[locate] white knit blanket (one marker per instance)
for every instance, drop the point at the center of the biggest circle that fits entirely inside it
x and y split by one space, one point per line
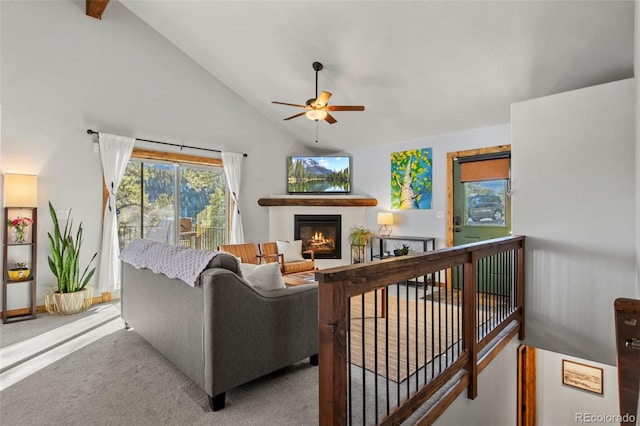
173 261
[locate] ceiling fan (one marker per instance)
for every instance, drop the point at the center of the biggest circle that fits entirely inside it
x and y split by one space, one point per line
318 108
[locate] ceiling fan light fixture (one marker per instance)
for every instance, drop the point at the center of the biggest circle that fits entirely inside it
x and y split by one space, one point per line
316 108
316 114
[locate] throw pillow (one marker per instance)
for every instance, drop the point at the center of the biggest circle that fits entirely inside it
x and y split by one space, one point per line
264 277
292 251
246 269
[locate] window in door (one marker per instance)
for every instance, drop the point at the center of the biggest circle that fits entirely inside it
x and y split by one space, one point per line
174 203
485 202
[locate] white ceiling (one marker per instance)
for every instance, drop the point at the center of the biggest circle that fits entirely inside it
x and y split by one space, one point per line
420 68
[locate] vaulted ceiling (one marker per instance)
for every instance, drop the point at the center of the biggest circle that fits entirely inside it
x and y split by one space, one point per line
420 68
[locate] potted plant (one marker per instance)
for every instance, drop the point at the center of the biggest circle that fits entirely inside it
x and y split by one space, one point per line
359 237
402 250
19 272
72 294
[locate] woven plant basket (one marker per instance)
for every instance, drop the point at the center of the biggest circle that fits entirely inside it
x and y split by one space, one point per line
68 303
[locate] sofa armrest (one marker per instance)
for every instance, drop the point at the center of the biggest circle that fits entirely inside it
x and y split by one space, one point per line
249 333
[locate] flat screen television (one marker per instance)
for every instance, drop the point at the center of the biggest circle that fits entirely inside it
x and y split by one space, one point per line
318 175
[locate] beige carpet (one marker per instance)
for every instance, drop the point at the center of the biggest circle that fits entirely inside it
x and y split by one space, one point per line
120 380
431 331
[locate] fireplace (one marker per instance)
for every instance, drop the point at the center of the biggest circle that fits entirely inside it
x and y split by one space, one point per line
320 233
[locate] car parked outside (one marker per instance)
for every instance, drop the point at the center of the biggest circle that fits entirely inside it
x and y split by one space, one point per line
485 207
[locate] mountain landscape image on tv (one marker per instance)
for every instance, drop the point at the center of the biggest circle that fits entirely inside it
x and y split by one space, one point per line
317 175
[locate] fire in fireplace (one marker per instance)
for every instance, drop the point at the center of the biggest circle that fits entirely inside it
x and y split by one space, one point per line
320 233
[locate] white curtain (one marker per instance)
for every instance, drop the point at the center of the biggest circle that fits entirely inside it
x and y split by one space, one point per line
115 152
232 163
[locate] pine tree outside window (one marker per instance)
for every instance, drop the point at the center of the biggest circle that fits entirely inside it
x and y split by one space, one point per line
173 201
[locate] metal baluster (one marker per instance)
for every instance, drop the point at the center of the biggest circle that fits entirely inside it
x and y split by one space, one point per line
375 351
386 353
350 387
364 364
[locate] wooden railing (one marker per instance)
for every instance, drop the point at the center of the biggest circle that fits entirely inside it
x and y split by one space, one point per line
395 332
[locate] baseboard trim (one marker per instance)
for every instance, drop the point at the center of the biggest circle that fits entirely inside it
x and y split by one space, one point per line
105 297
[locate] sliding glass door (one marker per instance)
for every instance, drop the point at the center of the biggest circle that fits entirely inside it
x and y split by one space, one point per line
173 203
203 207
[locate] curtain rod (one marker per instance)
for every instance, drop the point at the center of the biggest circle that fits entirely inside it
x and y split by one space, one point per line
92 132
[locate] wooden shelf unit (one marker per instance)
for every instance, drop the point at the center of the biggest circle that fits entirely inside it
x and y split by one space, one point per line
9 246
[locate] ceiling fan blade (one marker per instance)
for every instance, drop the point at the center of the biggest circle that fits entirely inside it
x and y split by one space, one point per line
345 108
285 103
322 100
294 116
329 119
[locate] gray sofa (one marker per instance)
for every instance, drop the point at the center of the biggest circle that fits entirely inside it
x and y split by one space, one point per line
223 332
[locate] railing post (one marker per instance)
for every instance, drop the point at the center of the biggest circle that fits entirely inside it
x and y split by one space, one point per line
520 287
470 326
332 317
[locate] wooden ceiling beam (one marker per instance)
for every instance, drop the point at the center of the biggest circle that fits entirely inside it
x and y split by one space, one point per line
95 8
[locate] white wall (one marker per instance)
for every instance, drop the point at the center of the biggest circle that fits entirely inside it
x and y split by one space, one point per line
560 404
497 391
573 179
372 177
63 73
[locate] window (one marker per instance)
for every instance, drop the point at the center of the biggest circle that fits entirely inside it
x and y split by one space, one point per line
173 198
485 202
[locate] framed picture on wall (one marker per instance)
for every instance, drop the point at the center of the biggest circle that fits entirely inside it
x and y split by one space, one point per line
411 179
582 376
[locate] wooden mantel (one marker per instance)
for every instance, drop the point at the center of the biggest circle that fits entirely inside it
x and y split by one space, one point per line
317 201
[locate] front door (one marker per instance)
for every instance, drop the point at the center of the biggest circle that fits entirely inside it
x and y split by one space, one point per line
480 206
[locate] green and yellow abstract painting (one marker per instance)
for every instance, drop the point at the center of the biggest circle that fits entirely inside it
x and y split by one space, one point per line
411 179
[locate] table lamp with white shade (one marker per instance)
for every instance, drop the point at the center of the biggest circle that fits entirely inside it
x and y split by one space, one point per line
385 220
